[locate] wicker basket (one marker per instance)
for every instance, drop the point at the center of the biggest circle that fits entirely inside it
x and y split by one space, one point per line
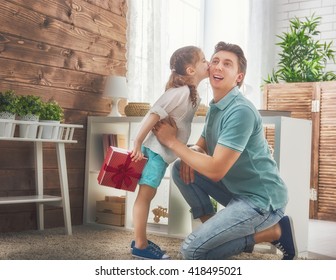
202 110
136 109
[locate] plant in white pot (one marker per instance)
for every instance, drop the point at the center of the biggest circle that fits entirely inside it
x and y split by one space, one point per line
8 102
52 114
303 58
29 109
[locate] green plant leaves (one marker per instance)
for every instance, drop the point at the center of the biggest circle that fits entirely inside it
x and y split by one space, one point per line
303 58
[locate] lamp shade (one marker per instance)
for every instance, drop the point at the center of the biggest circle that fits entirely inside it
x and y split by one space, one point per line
116 86
116 89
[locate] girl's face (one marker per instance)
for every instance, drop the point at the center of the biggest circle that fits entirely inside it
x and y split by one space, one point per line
201 68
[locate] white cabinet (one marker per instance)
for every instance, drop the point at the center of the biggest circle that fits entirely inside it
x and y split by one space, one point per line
292 152
166 197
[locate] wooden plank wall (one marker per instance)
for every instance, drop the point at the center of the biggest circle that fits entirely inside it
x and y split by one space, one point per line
60 49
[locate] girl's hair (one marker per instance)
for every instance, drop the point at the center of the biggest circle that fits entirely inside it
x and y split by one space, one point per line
242 62
180 60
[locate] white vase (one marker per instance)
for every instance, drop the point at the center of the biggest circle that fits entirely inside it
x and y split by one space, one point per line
7 128
29 130
50 131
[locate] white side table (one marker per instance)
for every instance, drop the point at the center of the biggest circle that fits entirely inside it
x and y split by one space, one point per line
64 136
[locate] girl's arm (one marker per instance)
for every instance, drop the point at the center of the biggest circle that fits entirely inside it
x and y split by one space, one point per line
146 127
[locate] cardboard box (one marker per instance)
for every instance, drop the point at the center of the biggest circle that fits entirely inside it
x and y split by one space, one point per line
119 171
110 207
110 219
120 199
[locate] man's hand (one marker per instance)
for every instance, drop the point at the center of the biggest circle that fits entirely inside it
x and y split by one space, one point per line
165 131
187 174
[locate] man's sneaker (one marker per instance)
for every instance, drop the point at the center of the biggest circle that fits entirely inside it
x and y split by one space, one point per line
286 243
151 243
149 253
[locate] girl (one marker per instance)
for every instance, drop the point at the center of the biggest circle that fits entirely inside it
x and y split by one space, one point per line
179 101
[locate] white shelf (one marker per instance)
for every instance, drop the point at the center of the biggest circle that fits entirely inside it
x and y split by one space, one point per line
168 196
64 132
29 199
64 135
292 154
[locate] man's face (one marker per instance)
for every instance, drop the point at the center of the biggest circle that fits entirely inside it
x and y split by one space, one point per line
224 71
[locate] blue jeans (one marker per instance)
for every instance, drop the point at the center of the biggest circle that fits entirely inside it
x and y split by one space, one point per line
229 232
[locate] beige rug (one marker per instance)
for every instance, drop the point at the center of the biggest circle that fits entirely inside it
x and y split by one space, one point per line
87 243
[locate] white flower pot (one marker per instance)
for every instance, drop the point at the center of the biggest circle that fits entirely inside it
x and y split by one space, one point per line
7 128
50 131
29 130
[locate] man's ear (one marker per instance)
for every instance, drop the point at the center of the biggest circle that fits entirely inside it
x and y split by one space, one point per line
240 77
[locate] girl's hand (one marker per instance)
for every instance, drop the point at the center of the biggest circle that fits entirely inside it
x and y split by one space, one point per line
136 154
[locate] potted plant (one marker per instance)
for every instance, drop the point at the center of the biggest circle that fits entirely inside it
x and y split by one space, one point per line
29 109
51 113
8 102
303 58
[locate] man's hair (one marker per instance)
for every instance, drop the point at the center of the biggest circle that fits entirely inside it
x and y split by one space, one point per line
242 62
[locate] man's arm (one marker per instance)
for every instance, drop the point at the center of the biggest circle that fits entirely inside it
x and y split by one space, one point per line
214 167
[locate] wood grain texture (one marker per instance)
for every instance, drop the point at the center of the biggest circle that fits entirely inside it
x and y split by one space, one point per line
62 50
17 48
40 27
297 98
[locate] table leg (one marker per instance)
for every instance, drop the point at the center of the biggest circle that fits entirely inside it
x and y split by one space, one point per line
39 183
62 168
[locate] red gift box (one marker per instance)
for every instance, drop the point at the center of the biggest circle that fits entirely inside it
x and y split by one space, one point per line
119 171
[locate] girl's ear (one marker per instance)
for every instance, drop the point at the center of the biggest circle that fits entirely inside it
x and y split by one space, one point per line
190 71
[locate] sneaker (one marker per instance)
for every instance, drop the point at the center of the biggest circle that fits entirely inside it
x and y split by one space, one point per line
286 243
149 253
151 243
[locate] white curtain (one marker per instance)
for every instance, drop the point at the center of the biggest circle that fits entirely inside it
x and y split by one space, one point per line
260 47
144 45
156 28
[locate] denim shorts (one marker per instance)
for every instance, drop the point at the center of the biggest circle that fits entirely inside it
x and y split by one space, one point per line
154 170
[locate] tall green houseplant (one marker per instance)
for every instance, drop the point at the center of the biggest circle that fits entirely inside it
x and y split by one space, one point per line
303 58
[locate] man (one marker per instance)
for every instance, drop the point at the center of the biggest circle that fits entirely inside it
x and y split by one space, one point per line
230 162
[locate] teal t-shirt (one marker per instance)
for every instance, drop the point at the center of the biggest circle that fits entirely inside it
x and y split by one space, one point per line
234 122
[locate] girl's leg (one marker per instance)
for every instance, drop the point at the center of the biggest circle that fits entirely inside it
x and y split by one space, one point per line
140 214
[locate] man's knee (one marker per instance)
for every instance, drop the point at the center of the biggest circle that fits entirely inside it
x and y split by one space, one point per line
190 253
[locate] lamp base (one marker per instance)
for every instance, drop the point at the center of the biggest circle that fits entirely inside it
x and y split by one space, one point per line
115 108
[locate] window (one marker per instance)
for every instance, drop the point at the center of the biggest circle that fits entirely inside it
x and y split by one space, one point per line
156 28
